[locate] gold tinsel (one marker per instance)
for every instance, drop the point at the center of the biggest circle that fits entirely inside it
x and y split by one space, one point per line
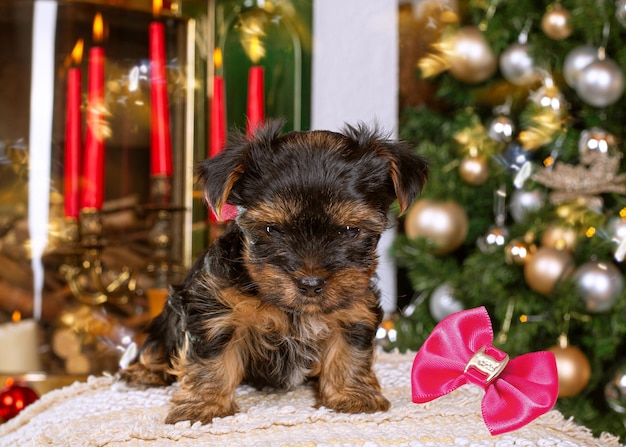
437 60
581 213
474 139
549 111
544 126
443 20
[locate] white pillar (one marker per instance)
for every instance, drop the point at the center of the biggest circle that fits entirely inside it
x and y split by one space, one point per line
40 139
355 79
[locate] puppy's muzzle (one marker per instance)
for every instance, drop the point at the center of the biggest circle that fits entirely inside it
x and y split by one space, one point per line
311 285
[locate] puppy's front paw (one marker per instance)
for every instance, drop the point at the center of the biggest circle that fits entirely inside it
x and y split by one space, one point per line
139 376
200 411
352 402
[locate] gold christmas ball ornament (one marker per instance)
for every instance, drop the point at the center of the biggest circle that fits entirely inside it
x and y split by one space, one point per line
556 22
471 58
518 251
546 267
560 237
445 224
573 368
474 170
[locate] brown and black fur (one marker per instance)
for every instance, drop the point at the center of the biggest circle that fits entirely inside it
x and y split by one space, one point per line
286 293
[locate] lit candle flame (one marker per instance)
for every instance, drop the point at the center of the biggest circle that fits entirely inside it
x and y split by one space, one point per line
157 5
256 49
252 34
217 58
77 52
16 316
98 28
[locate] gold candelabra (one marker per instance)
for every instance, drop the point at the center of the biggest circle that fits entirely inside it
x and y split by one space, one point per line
90 281
84 271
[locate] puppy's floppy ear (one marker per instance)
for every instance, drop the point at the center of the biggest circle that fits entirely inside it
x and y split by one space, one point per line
408 172
218 175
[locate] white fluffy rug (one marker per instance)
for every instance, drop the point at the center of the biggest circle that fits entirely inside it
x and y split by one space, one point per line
103 413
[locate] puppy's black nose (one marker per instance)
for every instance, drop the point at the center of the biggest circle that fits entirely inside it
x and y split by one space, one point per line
311 285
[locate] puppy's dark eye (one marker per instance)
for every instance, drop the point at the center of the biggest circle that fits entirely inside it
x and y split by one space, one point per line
271 229
350 231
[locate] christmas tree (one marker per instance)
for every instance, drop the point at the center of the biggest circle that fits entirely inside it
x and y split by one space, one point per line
525 209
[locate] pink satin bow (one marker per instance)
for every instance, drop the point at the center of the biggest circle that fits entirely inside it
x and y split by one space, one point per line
459 351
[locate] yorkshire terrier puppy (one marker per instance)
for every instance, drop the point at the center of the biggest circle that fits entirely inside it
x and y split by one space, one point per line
286 294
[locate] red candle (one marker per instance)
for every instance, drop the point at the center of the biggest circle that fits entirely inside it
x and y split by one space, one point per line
73 136
256 102
161 141
218 110
218 139
93 170
217 135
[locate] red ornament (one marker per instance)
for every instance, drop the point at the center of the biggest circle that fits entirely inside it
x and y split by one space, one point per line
13 399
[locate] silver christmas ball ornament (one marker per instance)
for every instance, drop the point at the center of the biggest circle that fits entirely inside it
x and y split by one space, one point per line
524 202
615 391
443 303
620 12
386 334
598 140
517 66
616 226
576 60
601 83
496 238
599 284
501 129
